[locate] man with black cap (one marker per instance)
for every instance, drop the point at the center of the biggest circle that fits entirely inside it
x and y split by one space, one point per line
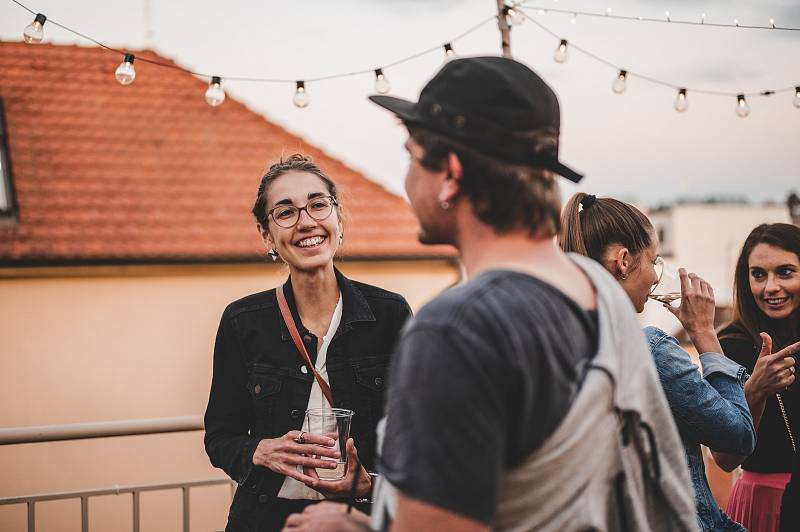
495 418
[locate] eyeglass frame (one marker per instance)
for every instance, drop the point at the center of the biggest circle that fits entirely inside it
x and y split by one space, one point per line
334 203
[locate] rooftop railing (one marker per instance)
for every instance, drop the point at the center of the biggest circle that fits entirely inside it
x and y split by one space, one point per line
78 431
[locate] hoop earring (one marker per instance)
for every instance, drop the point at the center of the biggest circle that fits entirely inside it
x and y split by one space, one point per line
445 205
273 254
623 276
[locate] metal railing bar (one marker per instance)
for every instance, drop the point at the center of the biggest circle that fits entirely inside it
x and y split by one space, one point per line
136 507
31 516
186 509
110 491
85 514
102 429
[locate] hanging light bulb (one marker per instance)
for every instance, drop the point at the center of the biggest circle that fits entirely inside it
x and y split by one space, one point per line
125 72
620 83
736 22
574 18
34 32
448 50
215 95
560 55
681 103
742 108
797 97
667 15
382 85
703 18
608 11
301 98
514 17
772 23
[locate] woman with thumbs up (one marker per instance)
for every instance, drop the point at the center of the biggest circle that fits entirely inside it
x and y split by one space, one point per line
763 336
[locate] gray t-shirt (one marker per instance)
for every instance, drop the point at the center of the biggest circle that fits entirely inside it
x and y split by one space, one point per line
482 376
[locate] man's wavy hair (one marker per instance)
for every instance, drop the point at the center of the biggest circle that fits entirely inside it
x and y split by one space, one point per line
504 196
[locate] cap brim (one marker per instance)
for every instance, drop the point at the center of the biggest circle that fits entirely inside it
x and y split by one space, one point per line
406 110
565 172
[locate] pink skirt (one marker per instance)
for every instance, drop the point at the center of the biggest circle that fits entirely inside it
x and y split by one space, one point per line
755 500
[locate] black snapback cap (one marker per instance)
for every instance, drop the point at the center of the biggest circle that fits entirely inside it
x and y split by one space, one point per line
494 105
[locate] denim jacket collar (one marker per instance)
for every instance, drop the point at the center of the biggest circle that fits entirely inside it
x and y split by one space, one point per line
354 305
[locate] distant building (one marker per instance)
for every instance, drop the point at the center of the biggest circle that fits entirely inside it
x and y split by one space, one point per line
706 238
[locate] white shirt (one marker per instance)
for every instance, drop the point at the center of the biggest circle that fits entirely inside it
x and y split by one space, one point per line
291 488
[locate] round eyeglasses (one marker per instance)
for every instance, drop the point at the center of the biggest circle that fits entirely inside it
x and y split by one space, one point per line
287 216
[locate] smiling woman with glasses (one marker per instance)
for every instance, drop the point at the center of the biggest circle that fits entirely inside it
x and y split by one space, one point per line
320 340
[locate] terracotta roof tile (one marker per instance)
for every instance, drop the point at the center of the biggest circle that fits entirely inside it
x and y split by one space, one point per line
150 172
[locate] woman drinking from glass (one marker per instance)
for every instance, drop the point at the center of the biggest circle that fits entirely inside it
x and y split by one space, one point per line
763 336
709 408
262 383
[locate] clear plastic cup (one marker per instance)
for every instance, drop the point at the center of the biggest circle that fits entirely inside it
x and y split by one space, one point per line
335 424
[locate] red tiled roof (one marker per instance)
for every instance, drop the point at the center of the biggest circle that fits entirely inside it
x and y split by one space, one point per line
150 172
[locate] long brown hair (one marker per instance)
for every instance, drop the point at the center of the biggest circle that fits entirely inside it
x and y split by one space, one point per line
590 224
747 317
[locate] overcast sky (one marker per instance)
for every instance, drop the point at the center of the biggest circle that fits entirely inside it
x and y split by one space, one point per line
633 145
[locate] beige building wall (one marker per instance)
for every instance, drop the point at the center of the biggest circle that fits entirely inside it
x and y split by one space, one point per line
117 343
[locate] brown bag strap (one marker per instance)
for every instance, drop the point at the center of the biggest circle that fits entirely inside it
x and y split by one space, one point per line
288 319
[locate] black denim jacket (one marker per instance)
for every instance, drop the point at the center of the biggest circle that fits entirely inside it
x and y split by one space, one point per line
260 387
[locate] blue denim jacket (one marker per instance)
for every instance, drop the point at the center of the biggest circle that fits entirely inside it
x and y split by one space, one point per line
709 409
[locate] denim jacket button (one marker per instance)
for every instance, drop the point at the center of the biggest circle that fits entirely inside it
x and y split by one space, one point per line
295 413
378 381
263 498
303 369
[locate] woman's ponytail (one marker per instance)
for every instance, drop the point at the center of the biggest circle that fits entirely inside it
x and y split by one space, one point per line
571 236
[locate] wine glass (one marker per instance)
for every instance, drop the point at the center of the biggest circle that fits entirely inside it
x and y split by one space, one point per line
668 287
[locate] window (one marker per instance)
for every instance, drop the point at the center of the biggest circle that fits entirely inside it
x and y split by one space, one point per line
7 197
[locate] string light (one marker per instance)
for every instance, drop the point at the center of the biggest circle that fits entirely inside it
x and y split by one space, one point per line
667 19
514 17
574 18
382 85
742 108
215 95
681 103
772 23
301 98
125 72
620 82
560 55
34 32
